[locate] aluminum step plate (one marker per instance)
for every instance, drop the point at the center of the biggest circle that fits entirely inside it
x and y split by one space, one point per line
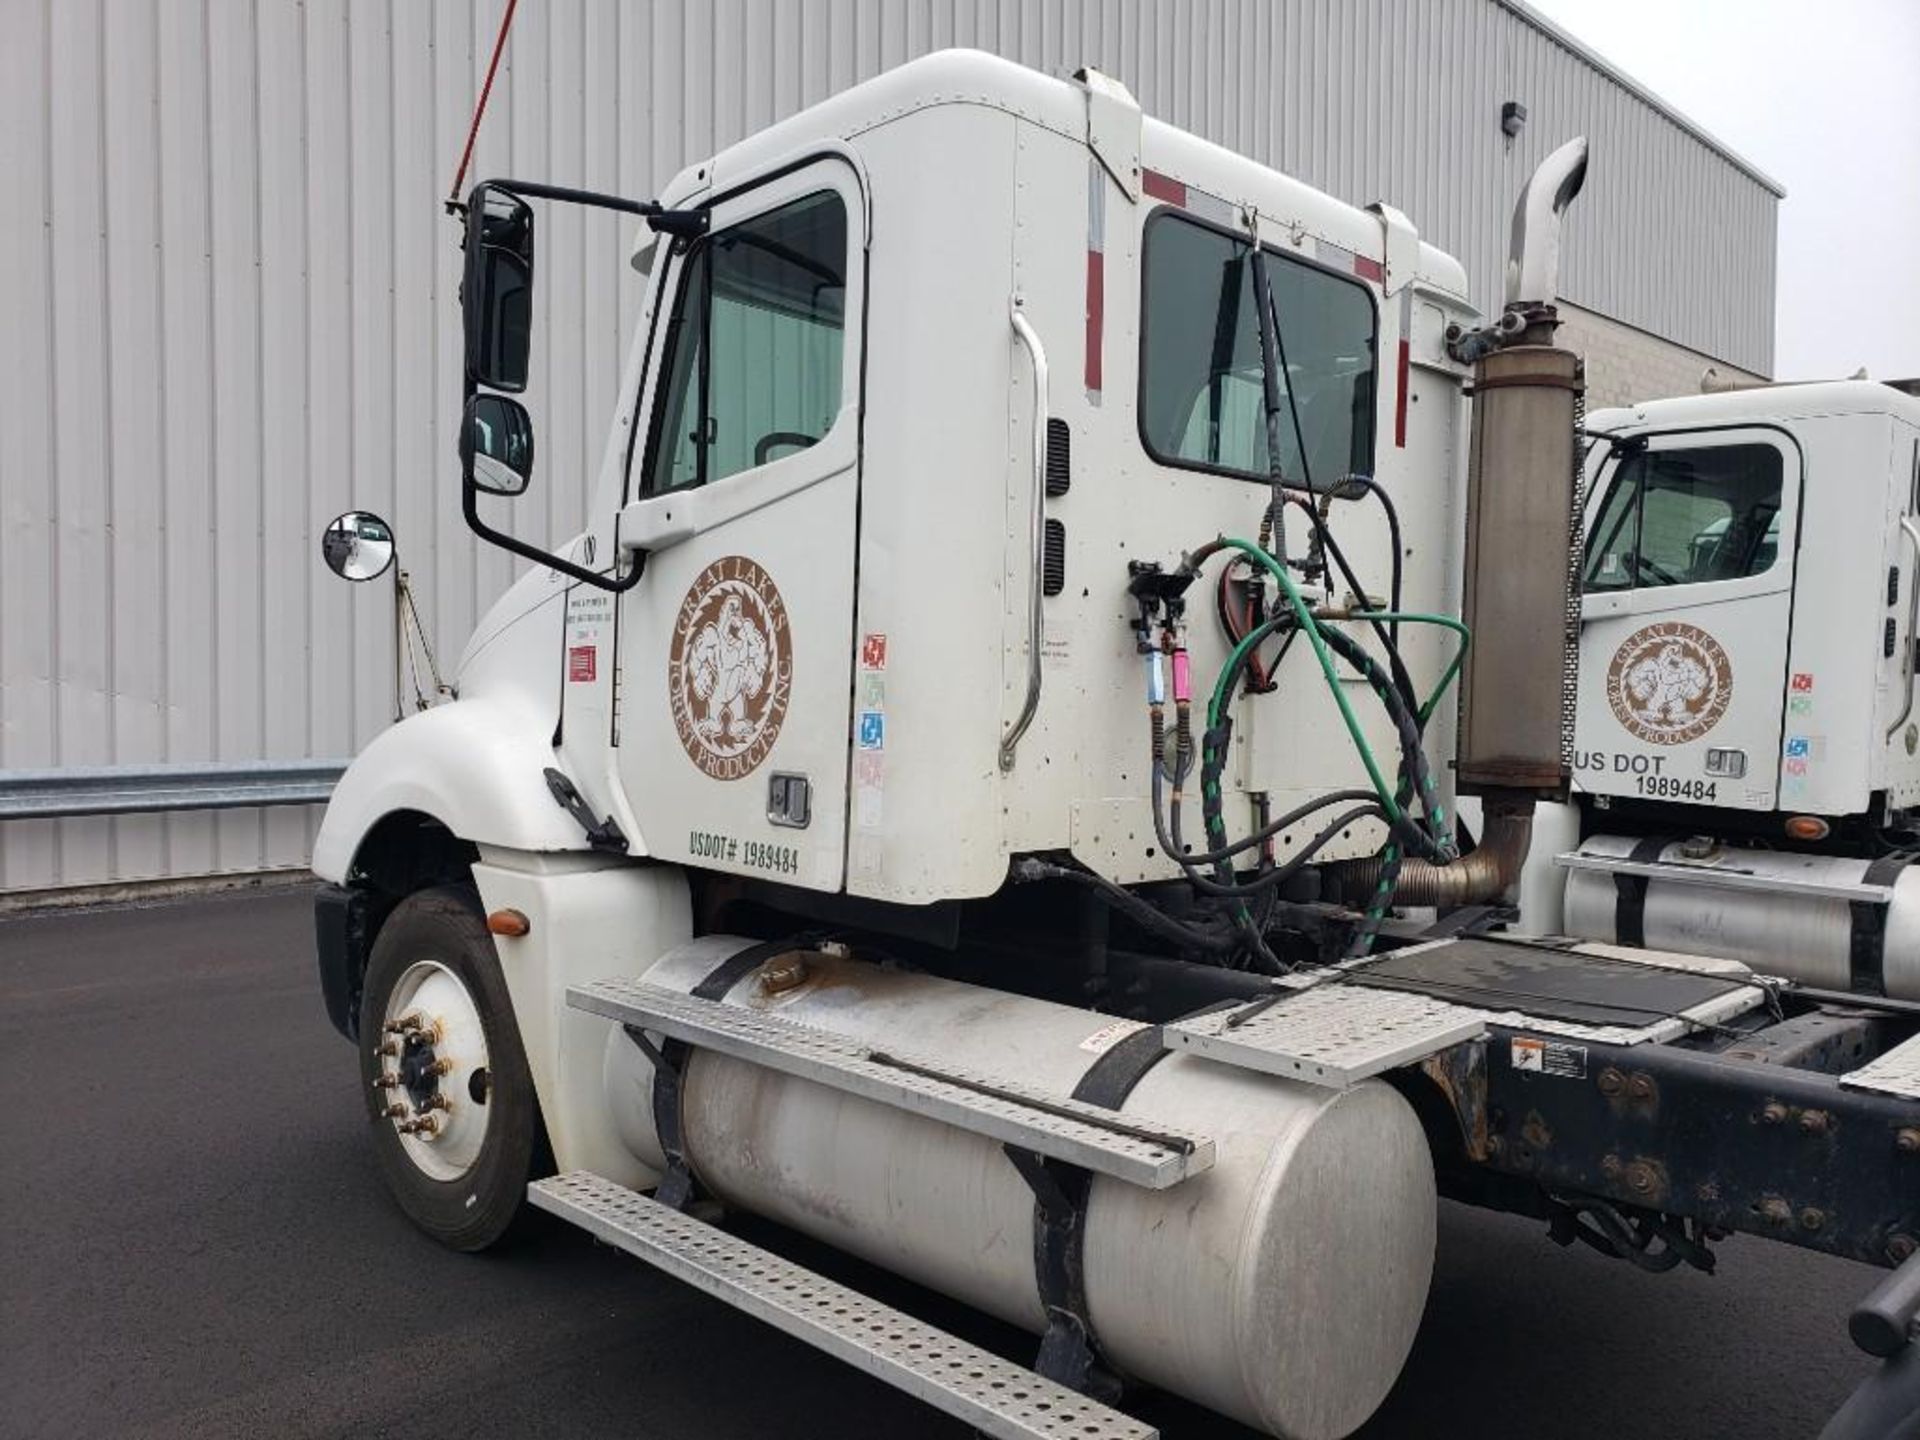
993 1395
1895 1073
1333 1035
1149 1155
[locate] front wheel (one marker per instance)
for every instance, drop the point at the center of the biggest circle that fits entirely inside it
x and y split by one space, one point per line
456 1127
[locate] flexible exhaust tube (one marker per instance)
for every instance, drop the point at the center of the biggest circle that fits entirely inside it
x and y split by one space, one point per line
1488 873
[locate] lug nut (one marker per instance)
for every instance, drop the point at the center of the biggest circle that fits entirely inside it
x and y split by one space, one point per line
422 1125
1640 1177
1776 1211
404 1024
442 1066
1611 1081
1908 1140
395 1112
1812 1219
1773 1113
435 1101
1815 1122
1640 1087
389 1048
387 1081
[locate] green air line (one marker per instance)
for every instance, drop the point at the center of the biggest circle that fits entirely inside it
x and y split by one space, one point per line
1453 667
1312 631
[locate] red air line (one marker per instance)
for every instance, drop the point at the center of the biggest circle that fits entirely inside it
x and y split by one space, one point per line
486 90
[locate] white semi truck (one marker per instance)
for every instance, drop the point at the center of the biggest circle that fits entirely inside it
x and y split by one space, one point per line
959 793
1747 754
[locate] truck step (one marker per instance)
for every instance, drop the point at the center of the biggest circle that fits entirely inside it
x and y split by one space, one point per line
1895 1073
993 1395
1149 1155
1333 1035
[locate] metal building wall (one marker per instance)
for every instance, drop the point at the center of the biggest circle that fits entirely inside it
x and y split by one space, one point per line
230 301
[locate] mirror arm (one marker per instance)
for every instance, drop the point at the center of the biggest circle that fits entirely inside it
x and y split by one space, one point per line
469 506
669 222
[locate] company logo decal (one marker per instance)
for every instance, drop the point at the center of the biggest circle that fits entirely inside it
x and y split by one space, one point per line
1669 683
730 668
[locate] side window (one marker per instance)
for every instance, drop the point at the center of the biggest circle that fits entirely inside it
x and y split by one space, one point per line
1685 517
1201 404
753 346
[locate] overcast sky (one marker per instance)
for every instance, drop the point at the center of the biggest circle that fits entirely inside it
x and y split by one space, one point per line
1824 96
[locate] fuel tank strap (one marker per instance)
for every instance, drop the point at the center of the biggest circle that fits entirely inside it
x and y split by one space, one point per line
1867 936
1069 1352
1630 893
678 1187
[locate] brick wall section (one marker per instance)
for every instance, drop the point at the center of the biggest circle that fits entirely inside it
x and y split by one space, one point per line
1625 365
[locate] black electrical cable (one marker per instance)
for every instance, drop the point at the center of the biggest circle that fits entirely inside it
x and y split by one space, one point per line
1378 491
1401 680
1130 904
1273 347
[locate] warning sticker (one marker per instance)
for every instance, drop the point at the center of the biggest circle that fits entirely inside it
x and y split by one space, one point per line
873 652
580 663
1108 1036
1549 1057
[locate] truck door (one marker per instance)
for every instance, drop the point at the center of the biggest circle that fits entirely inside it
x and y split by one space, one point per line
735 675
1688 597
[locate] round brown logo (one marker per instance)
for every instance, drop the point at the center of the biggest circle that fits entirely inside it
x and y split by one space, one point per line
1669 683
730 668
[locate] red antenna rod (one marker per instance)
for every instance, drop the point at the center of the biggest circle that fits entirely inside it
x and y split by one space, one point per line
486 90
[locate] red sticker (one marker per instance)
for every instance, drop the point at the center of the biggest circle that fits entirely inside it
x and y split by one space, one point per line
1802 681
873 652
580 663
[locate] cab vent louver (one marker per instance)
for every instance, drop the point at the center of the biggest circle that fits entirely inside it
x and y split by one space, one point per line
1059 458
1054 571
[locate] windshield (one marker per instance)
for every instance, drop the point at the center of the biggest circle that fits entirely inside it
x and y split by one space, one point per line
1200 374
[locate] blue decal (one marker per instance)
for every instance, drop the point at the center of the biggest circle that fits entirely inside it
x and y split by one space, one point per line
873 730
1796 745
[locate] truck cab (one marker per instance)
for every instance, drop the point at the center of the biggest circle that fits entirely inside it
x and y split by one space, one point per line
1747 640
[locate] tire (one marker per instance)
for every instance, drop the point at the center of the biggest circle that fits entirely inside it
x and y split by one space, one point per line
433 966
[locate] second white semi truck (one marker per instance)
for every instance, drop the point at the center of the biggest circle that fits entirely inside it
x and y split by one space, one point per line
1747 753
955 794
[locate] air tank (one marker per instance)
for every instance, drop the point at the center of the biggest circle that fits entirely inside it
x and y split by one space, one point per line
1282 1287
1781 930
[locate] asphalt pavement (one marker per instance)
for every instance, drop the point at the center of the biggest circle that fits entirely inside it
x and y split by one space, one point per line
193 1243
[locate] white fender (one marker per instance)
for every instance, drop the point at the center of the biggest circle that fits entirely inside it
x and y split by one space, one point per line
475 765
589 917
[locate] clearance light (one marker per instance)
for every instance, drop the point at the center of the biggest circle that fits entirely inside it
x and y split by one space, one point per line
513 923
1808 827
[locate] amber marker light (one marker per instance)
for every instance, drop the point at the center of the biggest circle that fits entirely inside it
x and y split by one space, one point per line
514 923
1808 827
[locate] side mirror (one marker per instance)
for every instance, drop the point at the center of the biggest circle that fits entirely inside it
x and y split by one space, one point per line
358 546
496 445
496 293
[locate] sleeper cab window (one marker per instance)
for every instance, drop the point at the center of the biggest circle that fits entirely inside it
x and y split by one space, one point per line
753 345
1687 516
1201 405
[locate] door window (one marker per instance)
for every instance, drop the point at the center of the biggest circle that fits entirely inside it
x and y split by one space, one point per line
753 362
1686 517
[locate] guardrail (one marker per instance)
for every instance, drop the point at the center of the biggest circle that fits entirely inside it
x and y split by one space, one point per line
148 789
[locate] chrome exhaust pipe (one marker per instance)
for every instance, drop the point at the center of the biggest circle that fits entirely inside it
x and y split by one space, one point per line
1533 248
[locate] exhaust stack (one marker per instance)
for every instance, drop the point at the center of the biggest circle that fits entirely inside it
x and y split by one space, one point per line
1522 598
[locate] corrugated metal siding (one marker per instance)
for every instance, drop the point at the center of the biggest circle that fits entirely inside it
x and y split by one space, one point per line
230 301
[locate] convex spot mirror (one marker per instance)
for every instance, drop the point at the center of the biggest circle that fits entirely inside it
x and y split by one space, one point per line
358 546
496 293
496 445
